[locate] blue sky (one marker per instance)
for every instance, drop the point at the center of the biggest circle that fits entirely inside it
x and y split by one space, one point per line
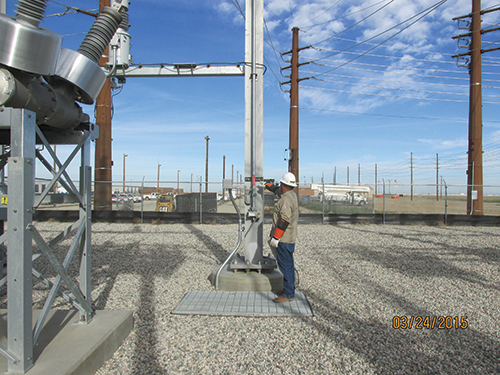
384 86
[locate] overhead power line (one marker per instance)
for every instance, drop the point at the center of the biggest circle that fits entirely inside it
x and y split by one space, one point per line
384 56
390 80
387 66
326 10
238 7
395 96
344 16
389 115
419 16
355 24
402 88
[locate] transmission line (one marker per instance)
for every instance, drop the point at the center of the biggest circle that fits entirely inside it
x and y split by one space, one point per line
425 13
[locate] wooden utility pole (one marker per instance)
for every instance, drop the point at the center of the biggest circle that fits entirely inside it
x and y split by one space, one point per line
437 177
293 146
475 154
103 176
411 175
475 150
293 162
124 156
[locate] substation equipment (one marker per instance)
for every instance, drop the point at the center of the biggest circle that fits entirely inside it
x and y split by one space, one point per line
40 87
253 271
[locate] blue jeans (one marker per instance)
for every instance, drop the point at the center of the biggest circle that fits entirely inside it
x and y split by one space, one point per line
284 256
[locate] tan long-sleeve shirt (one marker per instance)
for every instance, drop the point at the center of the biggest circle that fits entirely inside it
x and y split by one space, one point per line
287 209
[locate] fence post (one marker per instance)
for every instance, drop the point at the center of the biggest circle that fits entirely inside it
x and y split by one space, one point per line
445 203
383 200
323 182
201 206
142 201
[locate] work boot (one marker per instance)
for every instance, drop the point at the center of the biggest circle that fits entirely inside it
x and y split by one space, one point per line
282 299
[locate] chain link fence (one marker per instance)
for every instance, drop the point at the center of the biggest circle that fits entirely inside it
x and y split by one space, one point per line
321 199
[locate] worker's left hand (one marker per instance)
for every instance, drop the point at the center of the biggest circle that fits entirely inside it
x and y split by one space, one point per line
273 242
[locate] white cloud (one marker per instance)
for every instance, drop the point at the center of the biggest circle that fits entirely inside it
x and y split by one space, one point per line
445 144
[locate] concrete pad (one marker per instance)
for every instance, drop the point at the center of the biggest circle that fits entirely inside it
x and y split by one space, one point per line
253 281
66 346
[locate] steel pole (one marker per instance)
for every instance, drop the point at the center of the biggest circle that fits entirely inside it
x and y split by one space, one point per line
254 189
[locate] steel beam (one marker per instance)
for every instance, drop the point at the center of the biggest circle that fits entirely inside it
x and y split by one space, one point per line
180 70
20 214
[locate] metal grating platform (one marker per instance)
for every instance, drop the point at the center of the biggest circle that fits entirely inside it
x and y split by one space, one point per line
241 304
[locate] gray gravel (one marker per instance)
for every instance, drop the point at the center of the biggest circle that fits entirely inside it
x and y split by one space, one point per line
356 278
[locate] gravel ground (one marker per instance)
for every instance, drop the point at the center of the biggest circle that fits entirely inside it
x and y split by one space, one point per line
357 278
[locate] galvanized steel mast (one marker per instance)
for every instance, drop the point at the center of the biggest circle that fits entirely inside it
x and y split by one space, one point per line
254 189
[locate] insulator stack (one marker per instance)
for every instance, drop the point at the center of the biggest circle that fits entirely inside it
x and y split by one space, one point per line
124 24
99 36
31 11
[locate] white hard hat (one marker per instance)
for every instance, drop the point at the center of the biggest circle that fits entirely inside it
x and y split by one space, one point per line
289 179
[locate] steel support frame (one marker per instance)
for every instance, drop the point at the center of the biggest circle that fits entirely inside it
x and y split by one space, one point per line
21 204
172 71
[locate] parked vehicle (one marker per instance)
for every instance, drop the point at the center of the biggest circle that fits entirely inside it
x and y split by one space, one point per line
134 198
165 203
347 198
153 195
124 197
358 199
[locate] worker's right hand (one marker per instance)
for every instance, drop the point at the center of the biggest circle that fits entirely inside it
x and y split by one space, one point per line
271 187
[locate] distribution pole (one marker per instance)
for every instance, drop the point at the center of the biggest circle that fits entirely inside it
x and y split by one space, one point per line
103 177
293 147
124 156
158 181
411 175
437 177
475 149
223 166
207 138
178 181
376 183
475 155
293 162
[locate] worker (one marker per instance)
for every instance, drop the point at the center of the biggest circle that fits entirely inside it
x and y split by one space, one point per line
284 232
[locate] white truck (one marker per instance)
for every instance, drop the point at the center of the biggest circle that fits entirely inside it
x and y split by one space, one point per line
347 198
153 195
